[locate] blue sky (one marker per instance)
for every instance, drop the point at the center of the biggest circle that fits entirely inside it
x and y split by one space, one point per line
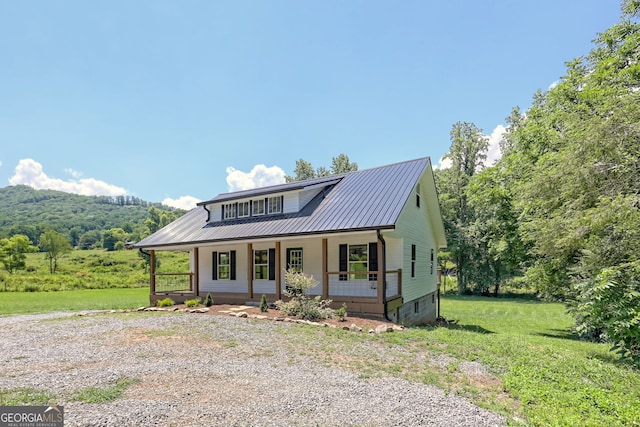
182 100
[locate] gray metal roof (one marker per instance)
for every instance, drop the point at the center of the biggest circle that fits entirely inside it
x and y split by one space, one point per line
363 200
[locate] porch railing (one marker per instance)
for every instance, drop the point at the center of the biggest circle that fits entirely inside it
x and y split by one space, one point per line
363 284
173 282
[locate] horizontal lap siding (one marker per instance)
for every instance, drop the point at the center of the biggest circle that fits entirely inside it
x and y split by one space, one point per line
264 287
414 228
207 284
311 260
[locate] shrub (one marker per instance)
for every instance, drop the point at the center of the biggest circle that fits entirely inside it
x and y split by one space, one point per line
192 302
208 301
167 302
301 305
341 312
264 305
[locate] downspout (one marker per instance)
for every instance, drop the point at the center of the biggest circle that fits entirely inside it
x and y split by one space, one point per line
384 274
208 212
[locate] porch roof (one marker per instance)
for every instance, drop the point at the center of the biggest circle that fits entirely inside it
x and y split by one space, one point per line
363 200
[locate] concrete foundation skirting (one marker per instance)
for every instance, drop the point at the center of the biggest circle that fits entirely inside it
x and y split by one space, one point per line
419 311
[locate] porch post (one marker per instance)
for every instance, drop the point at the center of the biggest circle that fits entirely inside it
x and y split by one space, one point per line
278 272
152 272
196 272
250 269
325 274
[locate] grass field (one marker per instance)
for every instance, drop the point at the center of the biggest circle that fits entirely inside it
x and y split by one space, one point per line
87 299
552 377
534 370
90 269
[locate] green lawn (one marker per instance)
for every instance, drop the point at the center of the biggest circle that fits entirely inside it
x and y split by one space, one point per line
555 378
87 299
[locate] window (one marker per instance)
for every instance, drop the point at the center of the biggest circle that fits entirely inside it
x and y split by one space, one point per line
243 209
416 307
418 194
413 260
294 259
432 261
229 211
356 258
274 204
258 207
260 264
264 264
224 265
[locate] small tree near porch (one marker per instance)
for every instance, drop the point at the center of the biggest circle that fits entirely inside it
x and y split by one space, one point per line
301 305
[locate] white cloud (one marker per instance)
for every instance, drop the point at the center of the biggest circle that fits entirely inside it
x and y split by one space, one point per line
443 163
74 173
184 202
260 176
493 153
29 172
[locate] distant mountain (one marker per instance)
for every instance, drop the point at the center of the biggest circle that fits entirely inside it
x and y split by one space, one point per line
24 210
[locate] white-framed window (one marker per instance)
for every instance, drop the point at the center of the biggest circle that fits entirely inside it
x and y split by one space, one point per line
274 205
243 209
358 260
229 210
294 259
224 265
258 207
261 264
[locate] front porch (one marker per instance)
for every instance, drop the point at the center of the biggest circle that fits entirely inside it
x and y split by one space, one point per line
362 291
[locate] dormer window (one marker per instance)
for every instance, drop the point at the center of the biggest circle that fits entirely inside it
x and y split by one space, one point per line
243 209
258 207
229 211
274 204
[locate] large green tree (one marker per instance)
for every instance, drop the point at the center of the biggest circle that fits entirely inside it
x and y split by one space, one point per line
54 245
466 154
572 163
13 252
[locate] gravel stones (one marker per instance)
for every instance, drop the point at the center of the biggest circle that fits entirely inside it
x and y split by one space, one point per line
193 370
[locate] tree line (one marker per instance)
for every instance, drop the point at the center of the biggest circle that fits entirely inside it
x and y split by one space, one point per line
83 219
560 211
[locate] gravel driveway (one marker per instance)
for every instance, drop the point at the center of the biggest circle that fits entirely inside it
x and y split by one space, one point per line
201 370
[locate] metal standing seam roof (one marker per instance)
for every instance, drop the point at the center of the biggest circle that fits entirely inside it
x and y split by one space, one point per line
362 200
